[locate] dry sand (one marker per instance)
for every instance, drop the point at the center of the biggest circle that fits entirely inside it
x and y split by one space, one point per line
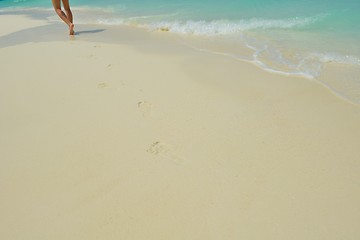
145 140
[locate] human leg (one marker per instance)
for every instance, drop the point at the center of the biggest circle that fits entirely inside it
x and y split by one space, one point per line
68 10
63 16
69 15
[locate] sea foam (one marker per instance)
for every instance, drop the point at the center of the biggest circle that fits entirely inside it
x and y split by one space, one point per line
225 27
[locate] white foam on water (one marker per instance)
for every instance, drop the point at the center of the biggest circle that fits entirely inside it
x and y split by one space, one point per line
225 27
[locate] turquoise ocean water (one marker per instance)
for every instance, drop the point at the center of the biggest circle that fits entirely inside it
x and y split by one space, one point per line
317 39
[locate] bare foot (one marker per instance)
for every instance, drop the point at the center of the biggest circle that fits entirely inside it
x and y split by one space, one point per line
71 29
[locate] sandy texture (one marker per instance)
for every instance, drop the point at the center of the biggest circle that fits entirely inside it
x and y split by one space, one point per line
141 140
11 23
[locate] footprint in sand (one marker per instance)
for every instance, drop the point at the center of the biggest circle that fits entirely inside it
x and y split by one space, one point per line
145 107
158 148
102 85
164 150
109 67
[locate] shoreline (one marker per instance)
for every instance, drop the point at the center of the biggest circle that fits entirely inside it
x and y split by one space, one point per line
147 138
329 75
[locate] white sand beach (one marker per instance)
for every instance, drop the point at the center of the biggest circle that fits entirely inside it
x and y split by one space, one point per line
146 138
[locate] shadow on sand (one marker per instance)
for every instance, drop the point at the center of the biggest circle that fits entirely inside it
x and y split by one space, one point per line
88 31
47 33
